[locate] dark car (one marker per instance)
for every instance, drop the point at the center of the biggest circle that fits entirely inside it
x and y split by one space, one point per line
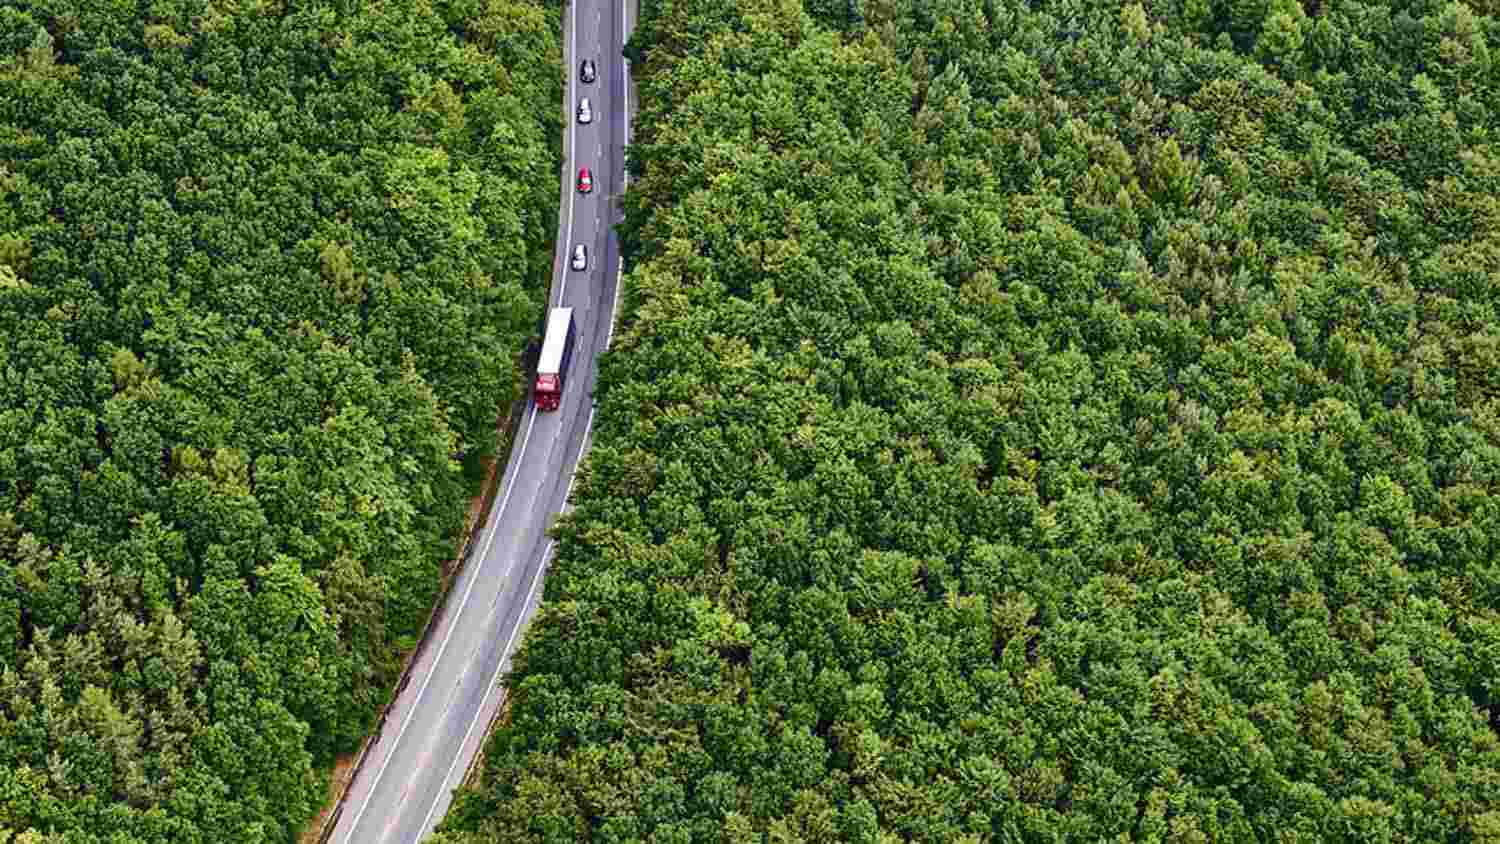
585 180
586 70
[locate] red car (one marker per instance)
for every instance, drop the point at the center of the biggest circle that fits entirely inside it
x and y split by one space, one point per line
585 181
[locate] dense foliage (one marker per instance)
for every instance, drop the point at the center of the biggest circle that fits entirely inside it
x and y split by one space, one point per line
1047 421
265 267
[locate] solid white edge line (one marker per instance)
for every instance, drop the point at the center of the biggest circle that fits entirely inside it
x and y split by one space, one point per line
536 580
588 428
625 77
443 646
562 285
615 307
572 478
624 173
562 288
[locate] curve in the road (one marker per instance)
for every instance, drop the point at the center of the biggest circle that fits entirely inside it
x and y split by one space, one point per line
405 782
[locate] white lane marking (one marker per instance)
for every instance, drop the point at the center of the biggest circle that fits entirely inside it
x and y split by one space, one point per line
443 646
499 514
536 580
625 74
587 428
614 307
625 173
562 286
561 293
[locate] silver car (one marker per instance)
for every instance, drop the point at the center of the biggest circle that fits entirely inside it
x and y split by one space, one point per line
580 257
585 113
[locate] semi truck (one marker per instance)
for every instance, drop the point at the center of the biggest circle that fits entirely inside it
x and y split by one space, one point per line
557 354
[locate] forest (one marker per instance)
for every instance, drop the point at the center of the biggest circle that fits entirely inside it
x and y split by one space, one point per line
1035 422
266 268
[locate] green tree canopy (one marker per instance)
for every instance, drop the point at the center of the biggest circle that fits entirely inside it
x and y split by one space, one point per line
264 271
1034 422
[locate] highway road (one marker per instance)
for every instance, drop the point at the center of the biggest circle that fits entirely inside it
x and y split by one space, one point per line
437 723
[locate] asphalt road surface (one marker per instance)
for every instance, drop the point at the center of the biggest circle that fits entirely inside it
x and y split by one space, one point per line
437 724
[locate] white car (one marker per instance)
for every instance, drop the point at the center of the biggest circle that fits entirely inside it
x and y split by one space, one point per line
585 113
580 257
